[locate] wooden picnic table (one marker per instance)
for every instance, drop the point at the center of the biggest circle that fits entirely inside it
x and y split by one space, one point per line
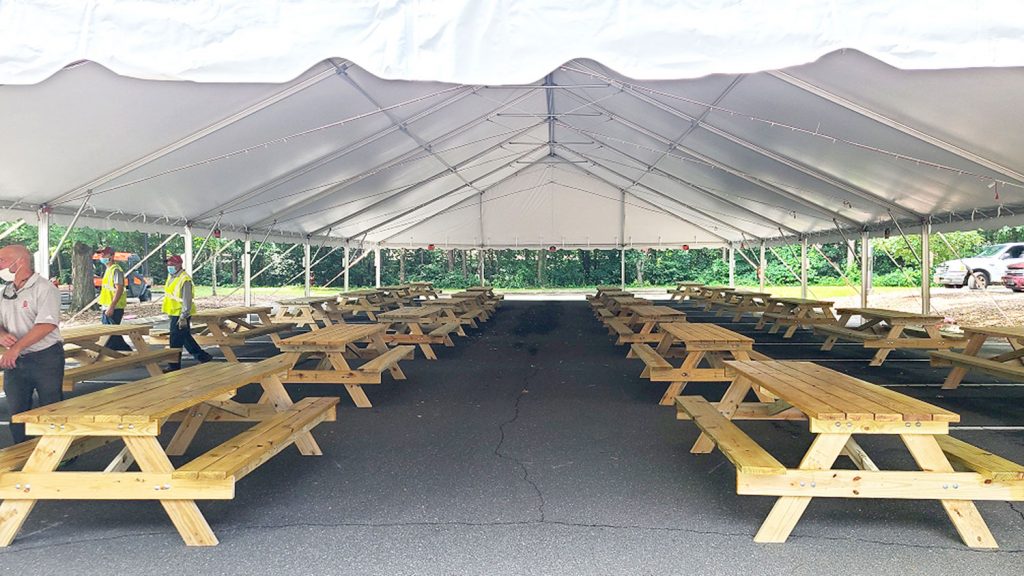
741 302
883 331
311 311
462 310
646 317
135 414
87 347
838 406
396 296
230 327
423 290
331 345
685 291
712 295
1007 364
420 325
710 344
794 313
368 302
618 305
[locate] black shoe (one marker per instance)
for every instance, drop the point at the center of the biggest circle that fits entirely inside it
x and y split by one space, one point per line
172 368
204 358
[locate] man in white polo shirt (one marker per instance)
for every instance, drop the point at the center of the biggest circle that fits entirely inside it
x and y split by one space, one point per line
33 361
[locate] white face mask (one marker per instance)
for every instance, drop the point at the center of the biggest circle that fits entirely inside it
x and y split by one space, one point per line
7 275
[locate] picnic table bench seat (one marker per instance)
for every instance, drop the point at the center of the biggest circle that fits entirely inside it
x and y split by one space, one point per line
142 358
950 358
163 335
979 460
650 357
237 457
740 449
386 361
836 331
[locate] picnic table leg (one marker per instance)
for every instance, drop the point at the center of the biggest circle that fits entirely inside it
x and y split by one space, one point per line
45 458
956 375
185 515
415 330
273 390
377 343
800 315
883 353
788 509
690 363
858 456
187 430
962 513
355 391
744 355
734 394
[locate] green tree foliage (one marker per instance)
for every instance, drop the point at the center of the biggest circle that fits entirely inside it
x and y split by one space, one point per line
519 268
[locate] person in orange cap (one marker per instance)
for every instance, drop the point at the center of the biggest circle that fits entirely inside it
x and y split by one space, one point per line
179 307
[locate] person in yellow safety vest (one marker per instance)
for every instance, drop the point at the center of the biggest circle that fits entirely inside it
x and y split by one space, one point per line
113 298
179 307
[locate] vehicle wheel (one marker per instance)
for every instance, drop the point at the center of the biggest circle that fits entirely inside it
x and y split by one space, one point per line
950 286
978 281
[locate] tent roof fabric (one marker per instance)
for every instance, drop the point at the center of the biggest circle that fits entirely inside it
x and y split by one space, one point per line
574 154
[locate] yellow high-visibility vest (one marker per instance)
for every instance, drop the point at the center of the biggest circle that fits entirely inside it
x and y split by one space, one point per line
108 288
172 295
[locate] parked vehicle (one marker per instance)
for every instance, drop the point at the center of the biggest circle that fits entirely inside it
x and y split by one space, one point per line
982 269
138 286
1014 277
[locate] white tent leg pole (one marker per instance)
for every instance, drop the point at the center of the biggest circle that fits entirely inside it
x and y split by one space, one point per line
307 265
346 265
732 266
247 270
186 257
926 267
622 266
762 272
480 261
376 267
865 268
803 267
43 255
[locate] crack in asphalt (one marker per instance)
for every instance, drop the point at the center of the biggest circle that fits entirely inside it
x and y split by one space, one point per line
501 442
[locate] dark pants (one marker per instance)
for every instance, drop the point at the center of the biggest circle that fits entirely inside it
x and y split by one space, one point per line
182 338
41 372
115 342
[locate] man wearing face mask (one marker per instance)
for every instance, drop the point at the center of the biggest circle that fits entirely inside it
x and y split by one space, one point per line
33 360
179 308
113 299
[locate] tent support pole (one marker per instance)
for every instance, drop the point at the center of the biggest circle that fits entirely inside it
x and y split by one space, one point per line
307 264
67 232
803 267
761 269
926 260
480 262
346 265
376 266
12 228
43 255
186 256
732 265
865 268
247 270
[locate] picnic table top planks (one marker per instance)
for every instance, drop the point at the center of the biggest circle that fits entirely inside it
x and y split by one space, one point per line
704 333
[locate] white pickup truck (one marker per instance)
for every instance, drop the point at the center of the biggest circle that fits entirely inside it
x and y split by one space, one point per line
982 269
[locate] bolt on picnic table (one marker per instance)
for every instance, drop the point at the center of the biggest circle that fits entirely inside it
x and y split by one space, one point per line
838 406
135 413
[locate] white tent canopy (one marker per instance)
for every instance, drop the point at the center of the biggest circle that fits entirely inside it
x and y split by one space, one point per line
565 152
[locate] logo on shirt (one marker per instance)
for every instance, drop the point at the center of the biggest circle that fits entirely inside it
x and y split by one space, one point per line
24 304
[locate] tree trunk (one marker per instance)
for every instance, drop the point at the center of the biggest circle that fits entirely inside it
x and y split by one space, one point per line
640 261
83 291
465 264
451 260
234 272
401 266
542 259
